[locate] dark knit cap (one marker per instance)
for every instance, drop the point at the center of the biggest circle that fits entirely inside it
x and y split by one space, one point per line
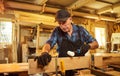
62 15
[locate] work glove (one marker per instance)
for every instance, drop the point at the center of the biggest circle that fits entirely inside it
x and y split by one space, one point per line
43 59
83 49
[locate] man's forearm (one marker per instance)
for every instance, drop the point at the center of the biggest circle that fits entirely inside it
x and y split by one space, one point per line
46 48
94 45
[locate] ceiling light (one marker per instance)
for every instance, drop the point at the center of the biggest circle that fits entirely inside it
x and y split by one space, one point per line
112 11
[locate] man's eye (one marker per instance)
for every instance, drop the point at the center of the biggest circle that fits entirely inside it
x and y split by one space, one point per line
63 22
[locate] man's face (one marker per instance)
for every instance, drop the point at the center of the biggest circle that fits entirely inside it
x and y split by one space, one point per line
65 25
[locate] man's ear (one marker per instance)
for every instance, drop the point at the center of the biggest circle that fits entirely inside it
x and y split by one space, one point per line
70 18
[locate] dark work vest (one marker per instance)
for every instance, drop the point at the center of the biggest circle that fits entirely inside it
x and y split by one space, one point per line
68 45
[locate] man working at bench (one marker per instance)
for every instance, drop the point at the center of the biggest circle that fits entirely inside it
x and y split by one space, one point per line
69 37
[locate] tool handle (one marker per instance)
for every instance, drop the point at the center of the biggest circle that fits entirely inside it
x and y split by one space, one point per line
62 67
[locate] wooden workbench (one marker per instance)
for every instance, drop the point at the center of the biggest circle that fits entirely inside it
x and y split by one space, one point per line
107 54
24 67
109 58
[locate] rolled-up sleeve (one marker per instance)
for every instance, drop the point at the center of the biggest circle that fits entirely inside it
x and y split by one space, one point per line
53 39
87 37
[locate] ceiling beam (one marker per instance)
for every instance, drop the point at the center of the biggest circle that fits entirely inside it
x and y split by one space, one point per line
40 2
35 18
104 1
24 6
27 7
93 16
118 19
7 16
108 8
47 21
79 3
118 15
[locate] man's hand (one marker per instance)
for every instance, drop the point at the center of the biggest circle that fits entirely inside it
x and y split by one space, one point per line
43 59
83 49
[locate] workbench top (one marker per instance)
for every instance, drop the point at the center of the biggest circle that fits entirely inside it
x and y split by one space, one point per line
23 67
107 54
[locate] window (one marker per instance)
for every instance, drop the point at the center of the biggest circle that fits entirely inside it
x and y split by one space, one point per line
5 32
100 36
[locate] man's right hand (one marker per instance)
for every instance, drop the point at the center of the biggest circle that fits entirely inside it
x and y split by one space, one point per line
43 59
84 49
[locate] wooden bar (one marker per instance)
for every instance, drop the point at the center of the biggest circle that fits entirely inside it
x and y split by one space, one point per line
68 64
99 73
116 67
113 73
14 67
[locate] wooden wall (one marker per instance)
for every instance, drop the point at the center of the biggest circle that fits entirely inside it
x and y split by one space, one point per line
112 28
90 24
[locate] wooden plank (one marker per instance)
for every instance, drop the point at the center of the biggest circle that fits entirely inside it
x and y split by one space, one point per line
68 63
108 8
79 3
99 73
84 72
109 58
14 67
113 73
116 67
98 62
